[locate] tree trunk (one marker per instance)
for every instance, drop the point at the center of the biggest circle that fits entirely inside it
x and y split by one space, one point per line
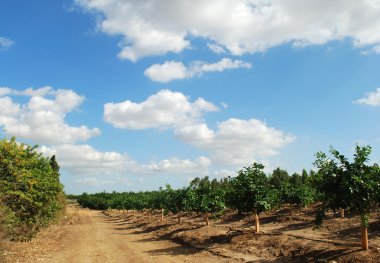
342 213
162 214
257 223
206 219
179 219
364 238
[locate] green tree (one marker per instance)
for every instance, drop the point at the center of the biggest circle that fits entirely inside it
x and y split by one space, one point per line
346 184
278 178
251 191
304 177
175 201
205 197
295 180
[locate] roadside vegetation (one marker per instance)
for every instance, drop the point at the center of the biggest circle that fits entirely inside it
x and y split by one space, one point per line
31 195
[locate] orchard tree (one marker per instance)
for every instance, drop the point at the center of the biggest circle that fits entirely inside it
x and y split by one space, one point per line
278 178
345 184
205 197
251 191
175 201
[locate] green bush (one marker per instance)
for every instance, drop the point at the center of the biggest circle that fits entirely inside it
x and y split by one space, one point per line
30 191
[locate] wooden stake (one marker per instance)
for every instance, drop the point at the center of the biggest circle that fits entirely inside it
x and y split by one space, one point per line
179 219
364 238
257 223
162 214
341 213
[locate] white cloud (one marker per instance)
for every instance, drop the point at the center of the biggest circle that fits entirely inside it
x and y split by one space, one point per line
163 110
222 65
101 182
84 160
240 26
5 91
216 48
30 92
371 99
94 182
179 166
5 43
42 118
376 49
167 72
372 50
234 142
172 70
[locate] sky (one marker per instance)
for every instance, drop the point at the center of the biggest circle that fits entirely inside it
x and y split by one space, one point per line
132 95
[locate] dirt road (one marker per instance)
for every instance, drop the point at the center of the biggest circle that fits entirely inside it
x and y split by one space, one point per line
98 238
113 236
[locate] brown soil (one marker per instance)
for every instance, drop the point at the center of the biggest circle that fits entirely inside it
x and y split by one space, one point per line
91 236
113 236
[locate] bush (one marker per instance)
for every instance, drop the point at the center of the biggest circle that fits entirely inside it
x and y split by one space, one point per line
31 193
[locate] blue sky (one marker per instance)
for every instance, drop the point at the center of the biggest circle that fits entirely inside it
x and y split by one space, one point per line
131 95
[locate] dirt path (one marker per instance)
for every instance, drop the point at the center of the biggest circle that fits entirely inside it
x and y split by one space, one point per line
113 236
98 238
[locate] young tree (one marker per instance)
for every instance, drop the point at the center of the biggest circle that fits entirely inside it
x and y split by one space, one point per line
347 184
251 191
202 196
175 201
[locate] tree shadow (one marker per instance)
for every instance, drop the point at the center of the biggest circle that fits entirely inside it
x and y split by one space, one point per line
174 251
171 234
151 229
296 226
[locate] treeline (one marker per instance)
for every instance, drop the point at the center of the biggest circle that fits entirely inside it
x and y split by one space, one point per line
31 195
251 191
338 184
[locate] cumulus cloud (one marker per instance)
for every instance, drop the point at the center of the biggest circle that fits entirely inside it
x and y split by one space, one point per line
236 141
238 26
163 110
371 99
85 161
42 117
179 166
167 72
233 142
5 43
172 70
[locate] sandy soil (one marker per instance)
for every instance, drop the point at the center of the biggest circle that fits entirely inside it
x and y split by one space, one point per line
286 235
91 236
